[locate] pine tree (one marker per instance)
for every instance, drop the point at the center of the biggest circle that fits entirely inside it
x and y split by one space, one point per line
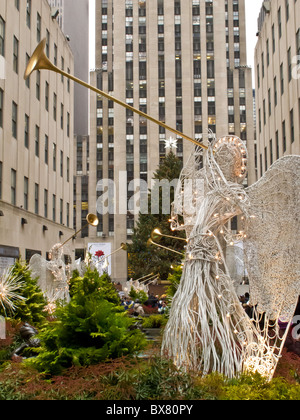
90 329
143 259
31 308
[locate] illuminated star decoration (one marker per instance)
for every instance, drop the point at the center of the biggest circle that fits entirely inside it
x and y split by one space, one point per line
10 286
171 142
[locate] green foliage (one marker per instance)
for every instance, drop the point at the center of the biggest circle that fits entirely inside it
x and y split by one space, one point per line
174 279
141 295
255 387
90 329
143 259
31 309
91 283
154 321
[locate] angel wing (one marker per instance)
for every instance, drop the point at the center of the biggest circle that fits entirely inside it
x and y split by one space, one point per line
272 244
38 268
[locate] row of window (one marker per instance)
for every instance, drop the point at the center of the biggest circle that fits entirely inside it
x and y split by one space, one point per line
277 146
36 136
25 205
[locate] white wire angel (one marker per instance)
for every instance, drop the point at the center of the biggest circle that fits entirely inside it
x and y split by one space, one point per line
208 329
53 276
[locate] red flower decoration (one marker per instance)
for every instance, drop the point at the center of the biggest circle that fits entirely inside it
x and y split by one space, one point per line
99 254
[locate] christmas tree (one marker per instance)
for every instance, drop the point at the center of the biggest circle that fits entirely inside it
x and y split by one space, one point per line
143 259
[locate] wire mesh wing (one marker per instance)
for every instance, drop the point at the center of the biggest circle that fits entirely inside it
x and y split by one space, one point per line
272 245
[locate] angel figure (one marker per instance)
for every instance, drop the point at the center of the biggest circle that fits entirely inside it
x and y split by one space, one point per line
53 276
208 329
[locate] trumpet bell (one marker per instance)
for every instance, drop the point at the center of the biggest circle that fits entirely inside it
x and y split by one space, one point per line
92 219
124 246
150 242
156 235
38 60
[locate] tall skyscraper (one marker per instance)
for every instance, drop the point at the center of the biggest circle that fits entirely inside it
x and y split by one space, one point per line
73 18
182 62
36 134
277 60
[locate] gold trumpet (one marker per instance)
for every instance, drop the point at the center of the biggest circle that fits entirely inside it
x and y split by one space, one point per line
151 242
39 61
91 219
156 235
122 247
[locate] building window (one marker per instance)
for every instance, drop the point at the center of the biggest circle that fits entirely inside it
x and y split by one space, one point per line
281 79
271 152
54 157
37 141
2 37
54 207
279 22
292 129
61 163
38 83
68 169
46 149
68 214
273 39
26 193
289 54
68 124
28 13
61 116
287 10
14 120
47 43
277 145
16 55
275 91
27 81
38 27
61 211
13 186
54 105
46 204
47 96
36 198
283 137
26 132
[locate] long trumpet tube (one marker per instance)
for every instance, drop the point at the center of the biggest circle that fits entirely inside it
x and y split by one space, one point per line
149 279
145 277
156 233
150 241
39 61
123 246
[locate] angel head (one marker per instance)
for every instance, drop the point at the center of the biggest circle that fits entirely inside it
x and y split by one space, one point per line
230 154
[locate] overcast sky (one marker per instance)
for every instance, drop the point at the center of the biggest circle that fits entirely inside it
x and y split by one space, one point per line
252 12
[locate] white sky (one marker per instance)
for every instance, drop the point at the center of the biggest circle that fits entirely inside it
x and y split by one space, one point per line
252 11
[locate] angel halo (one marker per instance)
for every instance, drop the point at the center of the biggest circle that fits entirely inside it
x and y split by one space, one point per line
208 329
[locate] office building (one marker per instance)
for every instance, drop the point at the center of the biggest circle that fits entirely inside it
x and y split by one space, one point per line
183 63
36 134
277 59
